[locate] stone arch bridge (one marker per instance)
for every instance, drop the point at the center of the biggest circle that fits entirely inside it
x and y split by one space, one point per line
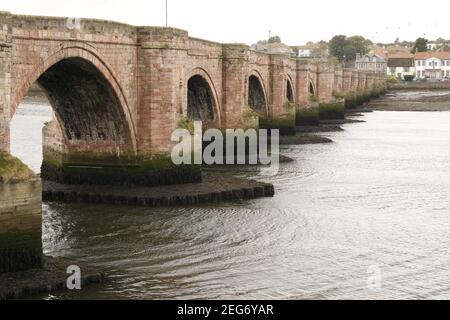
118 91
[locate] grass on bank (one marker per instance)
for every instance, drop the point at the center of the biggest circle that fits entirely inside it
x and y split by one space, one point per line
12 170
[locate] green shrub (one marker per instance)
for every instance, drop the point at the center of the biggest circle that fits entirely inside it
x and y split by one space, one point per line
392 80
408 77
12 170
251 118
313 98
338 95
186 123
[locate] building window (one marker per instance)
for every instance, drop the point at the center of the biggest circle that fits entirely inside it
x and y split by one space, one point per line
406 69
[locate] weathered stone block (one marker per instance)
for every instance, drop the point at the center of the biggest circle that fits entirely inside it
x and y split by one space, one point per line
20 226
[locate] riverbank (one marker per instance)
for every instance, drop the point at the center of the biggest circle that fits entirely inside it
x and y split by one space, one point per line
420 101
51 278
302 139
420 85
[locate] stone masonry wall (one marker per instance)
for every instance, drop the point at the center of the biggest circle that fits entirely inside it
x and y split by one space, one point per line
5 78
53 140
325 82
20 226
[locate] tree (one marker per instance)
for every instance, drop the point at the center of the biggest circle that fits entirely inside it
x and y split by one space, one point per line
320 50
421 45
337 47
346 49
275 39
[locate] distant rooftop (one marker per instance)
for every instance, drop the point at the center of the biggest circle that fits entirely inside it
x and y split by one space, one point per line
430 54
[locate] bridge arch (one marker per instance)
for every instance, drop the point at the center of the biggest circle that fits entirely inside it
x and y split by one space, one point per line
312 88
257 97
85 95
290 90
202 98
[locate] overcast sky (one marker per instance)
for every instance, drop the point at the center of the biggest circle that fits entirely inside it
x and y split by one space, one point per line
247 21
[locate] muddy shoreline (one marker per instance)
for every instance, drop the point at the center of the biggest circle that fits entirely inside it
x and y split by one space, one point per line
418 101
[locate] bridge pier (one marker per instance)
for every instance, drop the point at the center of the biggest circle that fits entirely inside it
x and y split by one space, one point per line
307 111
68 164
330 106
20 216
281 109
234 85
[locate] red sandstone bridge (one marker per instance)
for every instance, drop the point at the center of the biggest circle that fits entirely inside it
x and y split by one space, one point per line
118 91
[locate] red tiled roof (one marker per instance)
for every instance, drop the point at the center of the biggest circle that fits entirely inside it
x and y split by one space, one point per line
428 55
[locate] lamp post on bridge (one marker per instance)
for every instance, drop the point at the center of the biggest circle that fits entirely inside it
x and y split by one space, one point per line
167 14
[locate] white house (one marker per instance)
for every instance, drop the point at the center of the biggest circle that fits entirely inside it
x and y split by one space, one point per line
305 51
432 65
400 64
432 46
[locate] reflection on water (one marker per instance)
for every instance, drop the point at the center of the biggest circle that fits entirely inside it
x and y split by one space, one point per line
376 198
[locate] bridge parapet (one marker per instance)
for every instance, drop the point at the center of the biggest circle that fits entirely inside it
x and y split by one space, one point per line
64 29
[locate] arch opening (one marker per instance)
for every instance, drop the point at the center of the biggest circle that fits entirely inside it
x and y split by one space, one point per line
201 104
256 97
71 107
26 127
84 102
312 91
289 92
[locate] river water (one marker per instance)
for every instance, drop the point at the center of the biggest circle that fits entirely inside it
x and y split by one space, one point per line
367 217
